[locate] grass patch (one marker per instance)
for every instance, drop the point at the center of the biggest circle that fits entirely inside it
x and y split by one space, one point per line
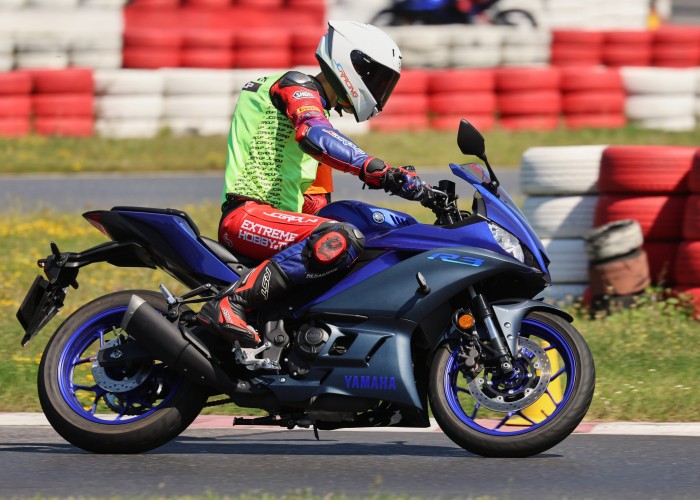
35 154
645 361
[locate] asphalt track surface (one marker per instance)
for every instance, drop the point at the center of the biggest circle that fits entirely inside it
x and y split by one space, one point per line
212 457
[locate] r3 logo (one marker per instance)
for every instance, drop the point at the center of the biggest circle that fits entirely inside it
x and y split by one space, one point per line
465 260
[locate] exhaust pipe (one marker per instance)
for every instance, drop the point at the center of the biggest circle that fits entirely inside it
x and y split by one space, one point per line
164 341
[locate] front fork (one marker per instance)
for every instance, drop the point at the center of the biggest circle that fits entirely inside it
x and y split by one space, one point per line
485 314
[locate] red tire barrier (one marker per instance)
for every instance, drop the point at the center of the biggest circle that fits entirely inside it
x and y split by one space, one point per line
267 4
68 127
612 102
661 217
208 4
144 38
590 78
406 104
412 81
463 103
63 105
676 56
15 106
461 80
628 37
207 58
62 81
14 127
578 37
522 79
626 55
450 123
396 123
694 176
535 102
686 35
15 83
151 58
262 58
687 264
645 169
691 218
208 39
576 55
662 259
154 4
262 38
531 122
596 120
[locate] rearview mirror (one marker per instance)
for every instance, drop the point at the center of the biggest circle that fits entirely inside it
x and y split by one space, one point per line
470 140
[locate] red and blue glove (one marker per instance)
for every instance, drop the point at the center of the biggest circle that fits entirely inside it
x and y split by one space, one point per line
404 182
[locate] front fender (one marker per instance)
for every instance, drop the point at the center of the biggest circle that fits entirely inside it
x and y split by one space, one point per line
510 314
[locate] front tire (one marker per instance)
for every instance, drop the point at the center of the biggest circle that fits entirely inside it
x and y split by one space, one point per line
526 431
122 409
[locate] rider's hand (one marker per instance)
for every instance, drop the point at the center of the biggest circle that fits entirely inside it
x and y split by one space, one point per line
404 182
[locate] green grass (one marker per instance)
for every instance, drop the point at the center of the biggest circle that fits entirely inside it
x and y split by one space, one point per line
36 154
645 356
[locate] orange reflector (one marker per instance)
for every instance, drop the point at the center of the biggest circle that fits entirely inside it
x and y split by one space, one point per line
465 321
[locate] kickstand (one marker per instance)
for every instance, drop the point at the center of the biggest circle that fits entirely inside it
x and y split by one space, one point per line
316 432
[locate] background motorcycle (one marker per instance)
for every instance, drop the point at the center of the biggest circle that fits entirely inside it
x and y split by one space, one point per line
403 12
440 314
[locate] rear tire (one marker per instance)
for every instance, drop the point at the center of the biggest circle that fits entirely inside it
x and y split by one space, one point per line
483 434
160 405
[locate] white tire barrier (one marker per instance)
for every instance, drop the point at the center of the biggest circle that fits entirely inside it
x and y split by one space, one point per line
569 261
658 80
560 170
113 107
128 82
560 216
200 106
183 81
128 128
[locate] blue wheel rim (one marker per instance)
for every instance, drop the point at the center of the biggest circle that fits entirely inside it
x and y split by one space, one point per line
479 418
77 387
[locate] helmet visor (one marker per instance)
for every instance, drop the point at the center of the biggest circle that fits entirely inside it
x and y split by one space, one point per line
379 79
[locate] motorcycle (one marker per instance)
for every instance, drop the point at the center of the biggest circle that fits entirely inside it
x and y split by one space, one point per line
438 12
438 316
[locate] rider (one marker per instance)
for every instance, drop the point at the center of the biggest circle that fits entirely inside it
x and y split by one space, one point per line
279 134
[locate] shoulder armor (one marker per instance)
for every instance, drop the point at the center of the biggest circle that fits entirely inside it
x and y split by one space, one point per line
297 79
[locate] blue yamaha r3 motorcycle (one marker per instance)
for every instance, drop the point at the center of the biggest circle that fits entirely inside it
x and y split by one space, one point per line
431 315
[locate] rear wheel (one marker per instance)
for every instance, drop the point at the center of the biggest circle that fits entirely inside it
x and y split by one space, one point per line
530 411
123 408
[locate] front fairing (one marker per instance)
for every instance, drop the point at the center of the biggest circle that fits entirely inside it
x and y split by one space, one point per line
501 209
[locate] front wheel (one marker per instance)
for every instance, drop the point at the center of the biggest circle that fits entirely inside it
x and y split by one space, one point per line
124 407
529 411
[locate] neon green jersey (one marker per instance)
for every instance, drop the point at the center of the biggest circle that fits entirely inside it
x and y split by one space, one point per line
264 160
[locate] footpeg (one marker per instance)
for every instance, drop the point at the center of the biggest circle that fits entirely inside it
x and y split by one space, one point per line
247 357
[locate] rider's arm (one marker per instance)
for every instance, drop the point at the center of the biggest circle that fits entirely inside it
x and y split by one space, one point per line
295 94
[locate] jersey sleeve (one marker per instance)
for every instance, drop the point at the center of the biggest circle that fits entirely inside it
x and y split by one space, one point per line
296 95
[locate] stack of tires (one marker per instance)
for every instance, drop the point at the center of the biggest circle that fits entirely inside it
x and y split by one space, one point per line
197 101
627 48
560 184
524 47
128 103
676 47
687 264
648 184
7 53
660 98
475 46
62 102
577 48
15 104
263 48
207 49
457 93
528 97
152 48
618 267
593 97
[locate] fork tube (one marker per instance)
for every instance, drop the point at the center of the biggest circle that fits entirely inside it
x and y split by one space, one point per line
484 312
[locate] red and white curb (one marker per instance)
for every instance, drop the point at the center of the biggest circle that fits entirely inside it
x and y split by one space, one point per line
687 429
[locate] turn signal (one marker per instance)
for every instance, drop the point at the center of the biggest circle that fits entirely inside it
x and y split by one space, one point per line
465 321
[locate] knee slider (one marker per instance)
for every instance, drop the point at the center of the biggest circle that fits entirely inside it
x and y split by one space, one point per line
333 245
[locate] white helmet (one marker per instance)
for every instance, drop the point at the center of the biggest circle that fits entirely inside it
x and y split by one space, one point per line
361 63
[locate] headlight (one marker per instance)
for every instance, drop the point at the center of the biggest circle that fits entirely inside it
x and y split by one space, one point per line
507 242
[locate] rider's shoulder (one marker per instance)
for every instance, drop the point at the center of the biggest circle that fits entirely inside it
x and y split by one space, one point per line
297 79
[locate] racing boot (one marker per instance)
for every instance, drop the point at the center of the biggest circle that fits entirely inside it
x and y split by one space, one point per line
227 316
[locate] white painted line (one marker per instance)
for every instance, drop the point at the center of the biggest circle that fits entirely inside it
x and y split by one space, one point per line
688 429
